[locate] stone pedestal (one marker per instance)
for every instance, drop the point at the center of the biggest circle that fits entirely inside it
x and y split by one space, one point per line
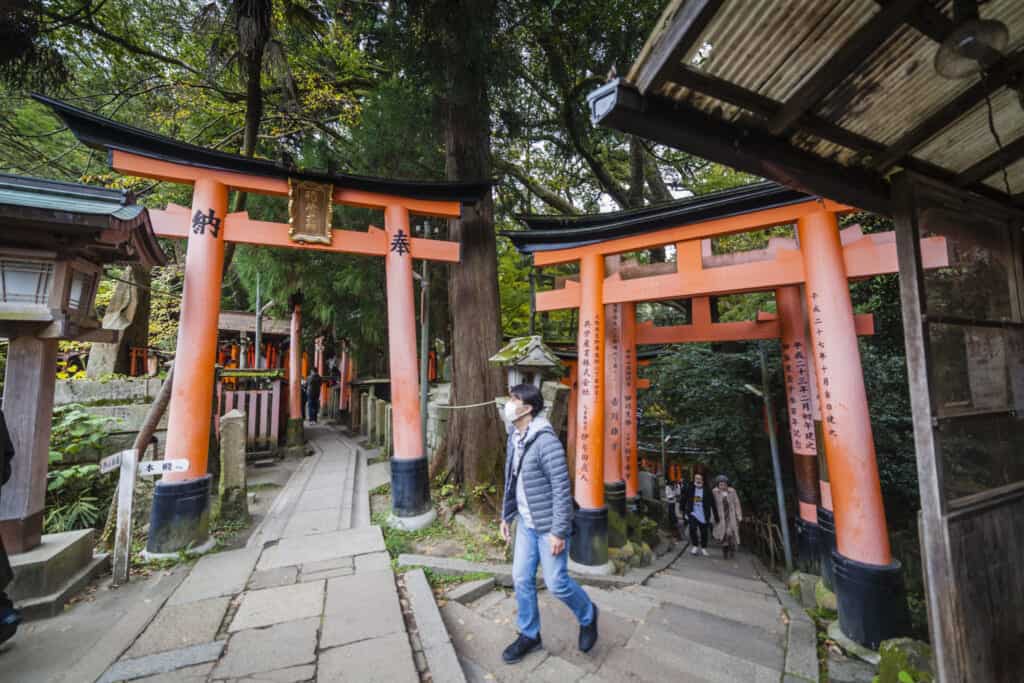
50 574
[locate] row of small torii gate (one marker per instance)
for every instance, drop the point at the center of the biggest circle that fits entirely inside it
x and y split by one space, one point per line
841 516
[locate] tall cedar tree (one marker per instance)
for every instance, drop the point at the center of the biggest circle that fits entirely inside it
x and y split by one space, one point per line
458 35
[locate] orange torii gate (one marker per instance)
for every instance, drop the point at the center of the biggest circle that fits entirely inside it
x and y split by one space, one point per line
822 263
181 501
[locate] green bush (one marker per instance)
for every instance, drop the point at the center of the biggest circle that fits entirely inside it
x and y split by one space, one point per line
77 496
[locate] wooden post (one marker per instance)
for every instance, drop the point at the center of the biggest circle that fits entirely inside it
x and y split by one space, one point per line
410 485
28 408
174 523
125 502
614 485
868 583
630 471
799 379
589 547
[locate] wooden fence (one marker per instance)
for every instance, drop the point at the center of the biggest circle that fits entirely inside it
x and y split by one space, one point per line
263 412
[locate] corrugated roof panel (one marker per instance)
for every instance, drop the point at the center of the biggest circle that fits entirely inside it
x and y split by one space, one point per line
699 100
772 46
898 87
1014 173
970 140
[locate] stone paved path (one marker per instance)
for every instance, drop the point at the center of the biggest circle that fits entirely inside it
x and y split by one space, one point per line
311 598
703 619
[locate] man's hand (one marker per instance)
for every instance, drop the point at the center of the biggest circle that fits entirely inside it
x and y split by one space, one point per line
557 545
505 531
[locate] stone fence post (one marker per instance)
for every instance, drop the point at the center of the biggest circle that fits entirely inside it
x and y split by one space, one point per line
233 504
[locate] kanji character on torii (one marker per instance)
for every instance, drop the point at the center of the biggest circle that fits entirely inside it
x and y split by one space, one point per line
181 503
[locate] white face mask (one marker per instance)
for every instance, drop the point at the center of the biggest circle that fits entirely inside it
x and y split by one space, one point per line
512 411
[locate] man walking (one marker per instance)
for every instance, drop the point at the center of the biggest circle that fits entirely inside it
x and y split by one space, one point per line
537 498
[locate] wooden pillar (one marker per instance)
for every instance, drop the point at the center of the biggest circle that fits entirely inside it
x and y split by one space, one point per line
305 364
614 484
801 402
181 502
570 435
630 471
294 436
410 485
28 408
188 427
589 548
868 583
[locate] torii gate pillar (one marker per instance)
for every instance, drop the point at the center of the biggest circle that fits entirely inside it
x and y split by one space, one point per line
614 483
801 403
588 549
868 582
410 481
181 502
630 472
294 437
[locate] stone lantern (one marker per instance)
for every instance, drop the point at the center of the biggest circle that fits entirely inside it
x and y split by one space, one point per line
528 361
55 239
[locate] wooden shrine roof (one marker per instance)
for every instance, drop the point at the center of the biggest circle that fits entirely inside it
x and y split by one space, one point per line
546 233
244 321
108 135
95 223
829 97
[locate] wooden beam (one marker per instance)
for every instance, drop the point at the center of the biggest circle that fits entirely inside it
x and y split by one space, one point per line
173 223
1003 73
766 108
146 167
620 106
873 254
844 61
694 231
648 333
681 24
992 163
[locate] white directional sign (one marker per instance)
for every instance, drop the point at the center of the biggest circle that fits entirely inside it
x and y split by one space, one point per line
150 468
130 468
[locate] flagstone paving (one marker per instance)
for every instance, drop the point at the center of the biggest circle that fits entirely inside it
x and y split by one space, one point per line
312 598
700 620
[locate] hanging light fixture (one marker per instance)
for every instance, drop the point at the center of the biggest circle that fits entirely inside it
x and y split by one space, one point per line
974 45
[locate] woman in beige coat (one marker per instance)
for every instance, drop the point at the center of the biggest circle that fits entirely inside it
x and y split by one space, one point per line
727 526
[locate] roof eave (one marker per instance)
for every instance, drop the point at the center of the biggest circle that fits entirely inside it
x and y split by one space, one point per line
105 134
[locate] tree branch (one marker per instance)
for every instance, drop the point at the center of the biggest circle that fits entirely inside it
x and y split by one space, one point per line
547 196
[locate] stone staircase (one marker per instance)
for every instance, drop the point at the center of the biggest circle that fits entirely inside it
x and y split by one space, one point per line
703 619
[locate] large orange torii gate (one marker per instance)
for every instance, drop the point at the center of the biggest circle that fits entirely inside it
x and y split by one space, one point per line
830 360
181 501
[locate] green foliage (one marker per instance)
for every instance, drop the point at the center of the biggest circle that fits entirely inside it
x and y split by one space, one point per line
74 430
77 497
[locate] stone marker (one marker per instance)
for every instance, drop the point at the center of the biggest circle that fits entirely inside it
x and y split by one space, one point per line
233 504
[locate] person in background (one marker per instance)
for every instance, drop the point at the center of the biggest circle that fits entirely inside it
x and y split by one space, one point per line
537 498
9 617
313 383
671 496
698 508
727 505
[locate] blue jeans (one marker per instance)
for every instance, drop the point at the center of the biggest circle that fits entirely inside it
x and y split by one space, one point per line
530 549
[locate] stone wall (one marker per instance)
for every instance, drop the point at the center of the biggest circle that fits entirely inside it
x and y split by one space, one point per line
124 402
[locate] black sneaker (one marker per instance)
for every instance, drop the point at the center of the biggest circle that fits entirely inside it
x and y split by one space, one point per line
519 649
9 620
588 634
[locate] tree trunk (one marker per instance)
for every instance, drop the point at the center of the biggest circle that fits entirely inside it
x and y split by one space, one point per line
475 438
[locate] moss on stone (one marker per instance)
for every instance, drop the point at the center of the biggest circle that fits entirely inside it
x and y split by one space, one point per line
911 657
824 598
